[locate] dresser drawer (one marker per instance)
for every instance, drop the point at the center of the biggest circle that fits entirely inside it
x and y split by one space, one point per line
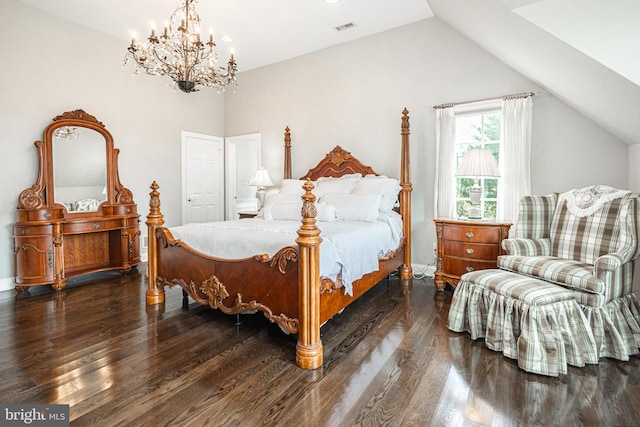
125 210
460 266
32 230
90 226
479 251
471 234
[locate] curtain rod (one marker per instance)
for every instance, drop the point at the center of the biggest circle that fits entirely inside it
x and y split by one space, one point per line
504 97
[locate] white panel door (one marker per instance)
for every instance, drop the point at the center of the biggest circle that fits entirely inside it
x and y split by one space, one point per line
202 178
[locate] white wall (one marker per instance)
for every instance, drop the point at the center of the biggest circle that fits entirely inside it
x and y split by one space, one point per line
353 94
51 66
634 169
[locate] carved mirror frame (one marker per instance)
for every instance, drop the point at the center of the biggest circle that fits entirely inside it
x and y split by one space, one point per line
41 194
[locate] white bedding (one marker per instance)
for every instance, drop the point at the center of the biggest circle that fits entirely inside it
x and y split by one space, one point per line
351 248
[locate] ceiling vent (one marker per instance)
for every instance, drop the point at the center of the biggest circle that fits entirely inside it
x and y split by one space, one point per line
346 26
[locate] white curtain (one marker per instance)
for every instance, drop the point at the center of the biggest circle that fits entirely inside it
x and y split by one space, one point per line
515 154
445 186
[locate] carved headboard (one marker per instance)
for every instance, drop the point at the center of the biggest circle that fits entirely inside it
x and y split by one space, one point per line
336 163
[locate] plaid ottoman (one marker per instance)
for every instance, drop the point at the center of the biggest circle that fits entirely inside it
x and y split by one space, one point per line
536 322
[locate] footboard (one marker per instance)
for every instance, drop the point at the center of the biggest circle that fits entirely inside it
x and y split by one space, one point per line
233 286
285 287
268 284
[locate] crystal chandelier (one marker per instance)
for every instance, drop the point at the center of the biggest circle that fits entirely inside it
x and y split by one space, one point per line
179 53
66 132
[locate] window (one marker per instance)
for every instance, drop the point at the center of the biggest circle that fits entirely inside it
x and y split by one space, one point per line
503 127
478 129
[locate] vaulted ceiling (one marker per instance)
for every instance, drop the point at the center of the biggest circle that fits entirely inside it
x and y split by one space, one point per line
583 51
594 89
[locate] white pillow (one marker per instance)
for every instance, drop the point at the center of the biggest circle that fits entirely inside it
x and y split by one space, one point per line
292 186
286 211
285 207
354 207
343 185
388 188
326 212
280 198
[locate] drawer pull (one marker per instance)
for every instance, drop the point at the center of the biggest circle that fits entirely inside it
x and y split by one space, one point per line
469 234
96 226
25 231
47 215
469 251
469 269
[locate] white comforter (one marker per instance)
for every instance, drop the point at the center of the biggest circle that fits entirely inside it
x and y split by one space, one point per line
351 248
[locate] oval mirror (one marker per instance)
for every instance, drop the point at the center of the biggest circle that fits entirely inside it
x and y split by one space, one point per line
79 168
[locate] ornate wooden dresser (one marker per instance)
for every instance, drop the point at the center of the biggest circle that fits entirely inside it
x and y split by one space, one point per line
465 246
77 218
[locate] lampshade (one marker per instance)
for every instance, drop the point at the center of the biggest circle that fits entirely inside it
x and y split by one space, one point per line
477 162
262 178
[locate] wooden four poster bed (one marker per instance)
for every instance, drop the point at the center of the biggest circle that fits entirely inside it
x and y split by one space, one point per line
287 286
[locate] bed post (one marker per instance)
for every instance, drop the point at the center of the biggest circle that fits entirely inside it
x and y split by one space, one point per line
155 219
287 153
309 346
406 271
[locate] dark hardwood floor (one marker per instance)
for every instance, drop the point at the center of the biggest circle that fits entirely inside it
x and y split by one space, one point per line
389 360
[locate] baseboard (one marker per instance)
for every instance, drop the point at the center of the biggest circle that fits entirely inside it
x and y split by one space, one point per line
421 270
7 284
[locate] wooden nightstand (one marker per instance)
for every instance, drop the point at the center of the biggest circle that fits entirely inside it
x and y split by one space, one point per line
465 246
248 214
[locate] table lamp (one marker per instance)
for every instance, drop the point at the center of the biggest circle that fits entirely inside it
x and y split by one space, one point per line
477 163
261 180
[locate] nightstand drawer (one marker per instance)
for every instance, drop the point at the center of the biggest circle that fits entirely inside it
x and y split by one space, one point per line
479 251
472 234
460 266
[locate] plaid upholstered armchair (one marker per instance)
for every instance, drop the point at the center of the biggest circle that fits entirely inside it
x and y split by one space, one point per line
585 240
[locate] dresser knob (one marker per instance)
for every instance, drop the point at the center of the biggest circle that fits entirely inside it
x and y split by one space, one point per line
96 226
469 269
25 231
469 251
469 234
